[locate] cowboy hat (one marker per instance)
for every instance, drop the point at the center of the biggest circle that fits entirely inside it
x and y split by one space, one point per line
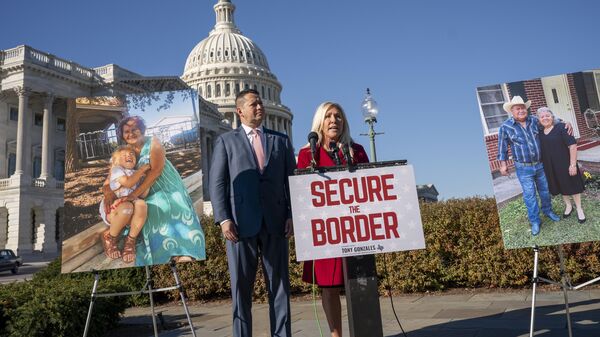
515 101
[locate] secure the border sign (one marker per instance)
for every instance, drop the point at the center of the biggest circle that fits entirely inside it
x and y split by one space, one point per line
345 213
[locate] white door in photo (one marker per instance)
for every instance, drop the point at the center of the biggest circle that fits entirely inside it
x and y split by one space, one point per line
558 99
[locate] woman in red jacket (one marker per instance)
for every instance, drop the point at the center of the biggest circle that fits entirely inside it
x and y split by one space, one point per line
331 125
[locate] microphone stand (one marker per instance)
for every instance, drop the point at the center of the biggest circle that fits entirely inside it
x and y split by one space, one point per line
348 157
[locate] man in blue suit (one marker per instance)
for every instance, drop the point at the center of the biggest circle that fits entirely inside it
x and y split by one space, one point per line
250 197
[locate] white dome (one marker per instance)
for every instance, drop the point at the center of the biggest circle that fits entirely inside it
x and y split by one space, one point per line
227 62
225 46
221 47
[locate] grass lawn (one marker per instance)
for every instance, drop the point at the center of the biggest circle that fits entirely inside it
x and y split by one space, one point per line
516 230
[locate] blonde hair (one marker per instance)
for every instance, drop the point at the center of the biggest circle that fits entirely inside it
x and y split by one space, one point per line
114 158
317 124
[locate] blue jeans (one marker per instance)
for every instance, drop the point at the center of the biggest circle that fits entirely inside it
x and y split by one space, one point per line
532 178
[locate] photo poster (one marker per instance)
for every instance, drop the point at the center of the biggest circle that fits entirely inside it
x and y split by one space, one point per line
364 212
165 215
573 99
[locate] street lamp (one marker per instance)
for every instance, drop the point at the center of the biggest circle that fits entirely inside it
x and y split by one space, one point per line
370 111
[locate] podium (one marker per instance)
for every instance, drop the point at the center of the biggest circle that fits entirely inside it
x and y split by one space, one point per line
360 272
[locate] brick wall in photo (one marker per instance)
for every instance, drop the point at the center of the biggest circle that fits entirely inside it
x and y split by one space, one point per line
584 131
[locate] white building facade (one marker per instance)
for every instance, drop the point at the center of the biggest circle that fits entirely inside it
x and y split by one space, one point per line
37 92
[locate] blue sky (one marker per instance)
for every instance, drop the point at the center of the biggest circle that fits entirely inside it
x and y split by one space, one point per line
422 59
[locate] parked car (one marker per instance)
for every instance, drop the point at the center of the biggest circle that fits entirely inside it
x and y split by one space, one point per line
9 261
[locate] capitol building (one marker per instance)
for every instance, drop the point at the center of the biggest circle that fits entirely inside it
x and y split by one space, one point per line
41 93
226 62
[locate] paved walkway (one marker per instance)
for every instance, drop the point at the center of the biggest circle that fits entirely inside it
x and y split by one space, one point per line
494 314
592 154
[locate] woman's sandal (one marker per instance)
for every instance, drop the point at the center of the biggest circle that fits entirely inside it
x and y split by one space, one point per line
129 249
109 242
182 258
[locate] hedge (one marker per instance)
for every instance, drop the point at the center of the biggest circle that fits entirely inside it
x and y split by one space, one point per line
56 305
464 249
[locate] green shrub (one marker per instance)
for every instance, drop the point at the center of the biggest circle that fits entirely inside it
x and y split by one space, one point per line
592 181
63 302
56 307
464 249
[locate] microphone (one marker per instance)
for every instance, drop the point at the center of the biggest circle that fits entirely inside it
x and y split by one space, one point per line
313 138
334 151
346 152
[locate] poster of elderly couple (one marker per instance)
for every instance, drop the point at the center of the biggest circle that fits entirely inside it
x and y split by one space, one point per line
542 141
133 191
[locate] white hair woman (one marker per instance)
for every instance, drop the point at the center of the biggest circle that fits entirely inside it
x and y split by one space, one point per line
559 156
331 125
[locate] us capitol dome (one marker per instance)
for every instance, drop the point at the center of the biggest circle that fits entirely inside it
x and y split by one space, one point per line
227 62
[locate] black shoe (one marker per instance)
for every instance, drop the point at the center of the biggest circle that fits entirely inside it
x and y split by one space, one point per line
566 215
581 220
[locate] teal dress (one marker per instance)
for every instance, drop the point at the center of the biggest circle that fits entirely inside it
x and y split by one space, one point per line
172 227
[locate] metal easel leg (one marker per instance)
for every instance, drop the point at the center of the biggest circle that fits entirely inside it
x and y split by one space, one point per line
535 281
89 315
563 279
149 286
183 300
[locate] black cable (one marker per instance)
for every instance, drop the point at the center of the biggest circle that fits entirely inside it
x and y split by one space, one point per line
389 289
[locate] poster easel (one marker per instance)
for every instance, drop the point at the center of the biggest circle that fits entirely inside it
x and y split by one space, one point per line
147 289
564 284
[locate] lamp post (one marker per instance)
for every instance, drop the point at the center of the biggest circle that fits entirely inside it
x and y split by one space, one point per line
370 111
360 272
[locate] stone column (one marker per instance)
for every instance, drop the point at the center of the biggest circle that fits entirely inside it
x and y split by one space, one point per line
46 140
38 228
19 225
48 230
205 165
22 148
235 124
3 227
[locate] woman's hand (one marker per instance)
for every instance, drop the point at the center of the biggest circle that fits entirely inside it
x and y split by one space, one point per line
145 168
572 170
